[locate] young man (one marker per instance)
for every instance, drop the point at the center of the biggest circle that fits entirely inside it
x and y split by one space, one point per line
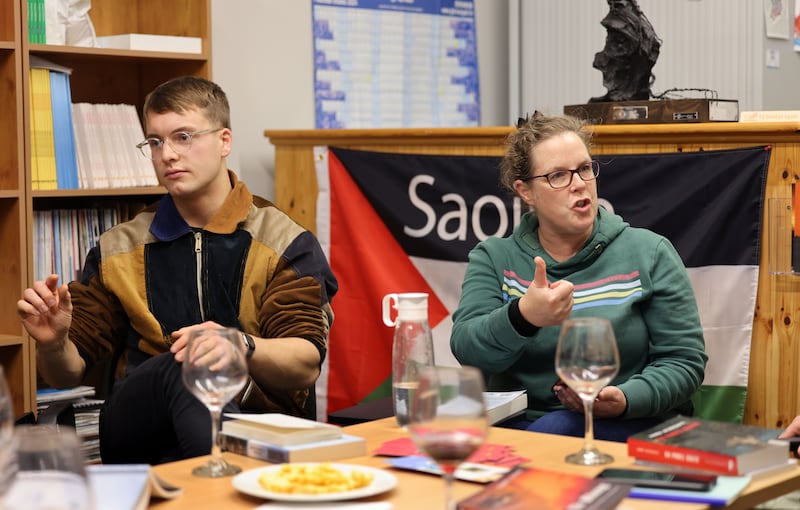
209 253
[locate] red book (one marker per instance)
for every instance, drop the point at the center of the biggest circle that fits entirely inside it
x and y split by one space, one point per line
719 447
542 489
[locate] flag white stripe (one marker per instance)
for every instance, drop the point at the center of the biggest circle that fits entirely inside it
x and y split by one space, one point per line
726 297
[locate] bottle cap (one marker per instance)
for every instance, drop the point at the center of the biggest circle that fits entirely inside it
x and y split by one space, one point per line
410 306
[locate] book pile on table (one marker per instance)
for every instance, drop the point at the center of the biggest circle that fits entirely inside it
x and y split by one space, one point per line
277 437
706 445
735 452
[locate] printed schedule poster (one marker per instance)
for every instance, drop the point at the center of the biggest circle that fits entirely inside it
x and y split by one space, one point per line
395 64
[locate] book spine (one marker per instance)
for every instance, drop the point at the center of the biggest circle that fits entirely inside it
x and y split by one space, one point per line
242 446
684 457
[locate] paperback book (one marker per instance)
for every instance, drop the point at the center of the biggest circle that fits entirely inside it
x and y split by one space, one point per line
127 486
720 447
345 447
541 489
501 405
723 493
466 471
279 429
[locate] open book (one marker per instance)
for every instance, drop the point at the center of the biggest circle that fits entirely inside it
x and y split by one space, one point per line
127 486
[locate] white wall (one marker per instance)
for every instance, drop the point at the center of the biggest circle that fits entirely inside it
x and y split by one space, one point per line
709 44
262 57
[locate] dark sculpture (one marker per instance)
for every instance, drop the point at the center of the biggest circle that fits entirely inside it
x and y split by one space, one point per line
629 55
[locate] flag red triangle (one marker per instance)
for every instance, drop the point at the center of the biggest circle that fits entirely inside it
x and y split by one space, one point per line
368 263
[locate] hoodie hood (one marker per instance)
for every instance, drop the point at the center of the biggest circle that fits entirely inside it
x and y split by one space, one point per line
607 227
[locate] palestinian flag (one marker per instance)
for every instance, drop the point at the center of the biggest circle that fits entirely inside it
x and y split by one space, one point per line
406 222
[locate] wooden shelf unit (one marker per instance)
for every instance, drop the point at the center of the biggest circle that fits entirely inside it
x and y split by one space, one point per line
99 75
773 396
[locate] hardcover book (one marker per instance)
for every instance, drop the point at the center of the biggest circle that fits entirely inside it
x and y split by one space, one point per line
720 447
279 429
344 447
541 489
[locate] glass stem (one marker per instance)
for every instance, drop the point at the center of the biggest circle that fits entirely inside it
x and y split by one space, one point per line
449 502
588 438
216 452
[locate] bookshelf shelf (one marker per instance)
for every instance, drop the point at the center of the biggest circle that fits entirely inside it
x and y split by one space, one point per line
11 340
113 53
99 75
99 192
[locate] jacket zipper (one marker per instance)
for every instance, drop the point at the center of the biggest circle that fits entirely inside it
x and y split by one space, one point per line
198 250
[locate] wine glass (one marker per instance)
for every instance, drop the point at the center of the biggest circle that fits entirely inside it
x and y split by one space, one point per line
586 360
8 462
51 471
447 418
215 370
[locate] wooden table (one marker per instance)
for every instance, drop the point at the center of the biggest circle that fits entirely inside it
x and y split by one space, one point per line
416 491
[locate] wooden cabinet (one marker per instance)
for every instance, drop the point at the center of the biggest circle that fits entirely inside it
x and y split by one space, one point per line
99 75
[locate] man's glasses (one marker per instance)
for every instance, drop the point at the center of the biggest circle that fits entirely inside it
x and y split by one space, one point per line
180 142
562 178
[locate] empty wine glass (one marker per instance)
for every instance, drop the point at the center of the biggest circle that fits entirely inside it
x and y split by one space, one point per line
447 418
215 370
586 360
52 473
8 462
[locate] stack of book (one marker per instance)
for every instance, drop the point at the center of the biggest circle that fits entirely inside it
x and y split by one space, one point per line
106 136
81 145
277 438
63 237
52 136
37 22
86 411
724 448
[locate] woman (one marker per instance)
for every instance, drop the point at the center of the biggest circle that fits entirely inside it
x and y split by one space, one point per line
568 258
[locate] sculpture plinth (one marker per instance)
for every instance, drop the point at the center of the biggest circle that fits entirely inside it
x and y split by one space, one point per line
657 111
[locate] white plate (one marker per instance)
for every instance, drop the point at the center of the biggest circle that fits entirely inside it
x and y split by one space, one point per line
382 481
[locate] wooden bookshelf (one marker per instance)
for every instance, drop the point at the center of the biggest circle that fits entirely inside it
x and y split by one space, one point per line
99 75
15 352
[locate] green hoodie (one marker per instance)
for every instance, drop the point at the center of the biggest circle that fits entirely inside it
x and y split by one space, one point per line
631 276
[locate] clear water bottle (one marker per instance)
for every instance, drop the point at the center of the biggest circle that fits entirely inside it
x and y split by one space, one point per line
412 347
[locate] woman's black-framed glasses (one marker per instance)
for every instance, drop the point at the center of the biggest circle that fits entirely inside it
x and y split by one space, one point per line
559 179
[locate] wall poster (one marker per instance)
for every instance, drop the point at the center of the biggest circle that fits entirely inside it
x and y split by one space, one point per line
395 63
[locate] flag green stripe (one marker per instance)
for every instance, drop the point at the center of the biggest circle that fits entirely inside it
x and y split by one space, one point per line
723 403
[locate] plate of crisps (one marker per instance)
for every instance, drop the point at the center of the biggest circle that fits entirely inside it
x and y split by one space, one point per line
314 481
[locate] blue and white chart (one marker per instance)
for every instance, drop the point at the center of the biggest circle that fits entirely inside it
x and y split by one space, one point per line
395 63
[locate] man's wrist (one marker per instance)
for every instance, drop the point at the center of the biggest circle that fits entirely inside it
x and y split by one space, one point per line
249 344
50 348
